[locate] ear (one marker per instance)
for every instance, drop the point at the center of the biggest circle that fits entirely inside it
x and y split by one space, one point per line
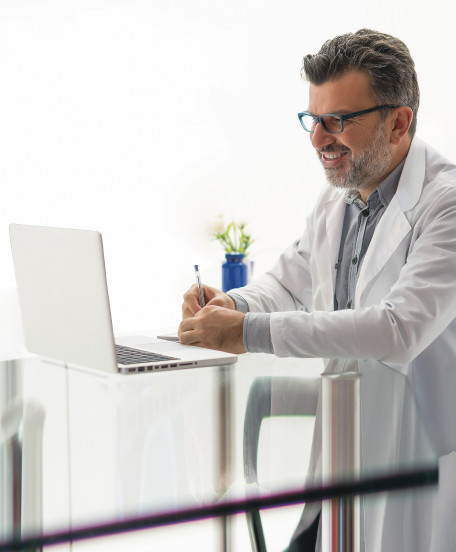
400 123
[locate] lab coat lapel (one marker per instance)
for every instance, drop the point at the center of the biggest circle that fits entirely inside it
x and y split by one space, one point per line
394 225
391 230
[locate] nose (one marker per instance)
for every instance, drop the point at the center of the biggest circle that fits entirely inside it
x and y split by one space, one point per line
320 137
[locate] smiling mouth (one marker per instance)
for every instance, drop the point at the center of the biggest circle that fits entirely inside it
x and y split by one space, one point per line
331 156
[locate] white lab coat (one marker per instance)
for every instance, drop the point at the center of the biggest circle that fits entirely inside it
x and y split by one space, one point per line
404 316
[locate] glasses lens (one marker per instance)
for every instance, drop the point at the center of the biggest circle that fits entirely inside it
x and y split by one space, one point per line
332 123
308 122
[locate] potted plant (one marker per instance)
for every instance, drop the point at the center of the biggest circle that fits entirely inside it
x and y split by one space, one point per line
235 242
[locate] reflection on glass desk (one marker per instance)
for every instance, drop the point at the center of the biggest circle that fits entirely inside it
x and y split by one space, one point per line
81 449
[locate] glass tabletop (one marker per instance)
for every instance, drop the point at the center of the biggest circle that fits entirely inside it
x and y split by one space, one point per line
81 449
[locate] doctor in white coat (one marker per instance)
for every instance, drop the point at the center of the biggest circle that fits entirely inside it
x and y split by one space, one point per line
373 276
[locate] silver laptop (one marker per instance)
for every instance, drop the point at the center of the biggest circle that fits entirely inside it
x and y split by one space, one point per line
63 296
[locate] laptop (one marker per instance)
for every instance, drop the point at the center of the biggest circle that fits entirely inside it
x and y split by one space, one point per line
64 303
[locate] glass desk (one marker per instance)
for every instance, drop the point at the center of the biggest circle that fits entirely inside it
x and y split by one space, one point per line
85 450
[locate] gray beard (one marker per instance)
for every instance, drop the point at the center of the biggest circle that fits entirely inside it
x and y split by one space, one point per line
366 168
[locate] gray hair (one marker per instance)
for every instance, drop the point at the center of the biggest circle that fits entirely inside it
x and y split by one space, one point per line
385 59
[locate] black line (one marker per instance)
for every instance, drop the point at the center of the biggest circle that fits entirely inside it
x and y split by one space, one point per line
405 480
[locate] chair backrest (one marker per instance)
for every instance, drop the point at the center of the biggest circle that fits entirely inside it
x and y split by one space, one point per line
21 455
272 396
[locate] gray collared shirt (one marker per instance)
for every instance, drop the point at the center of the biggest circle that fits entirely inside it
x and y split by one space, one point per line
359 225
360 222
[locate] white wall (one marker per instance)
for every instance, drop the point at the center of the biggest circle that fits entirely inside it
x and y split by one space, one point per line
144 119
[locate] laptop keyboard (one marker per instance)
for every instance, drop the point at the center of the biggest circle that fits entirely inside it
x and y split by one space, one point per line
127 355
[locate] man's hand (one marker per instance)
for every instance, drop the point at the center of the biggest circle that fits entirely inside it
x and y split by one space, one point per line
214 327
212 296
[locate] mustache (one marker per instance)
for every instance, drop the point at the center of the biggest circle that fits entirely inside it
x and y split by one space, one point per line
331 148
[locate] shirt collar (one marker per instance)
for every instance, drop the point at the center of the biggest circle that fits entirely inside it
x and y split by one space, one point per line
385 190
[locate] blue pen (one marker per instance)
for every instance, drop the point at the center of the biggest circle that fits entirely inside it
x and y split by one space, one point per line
202 302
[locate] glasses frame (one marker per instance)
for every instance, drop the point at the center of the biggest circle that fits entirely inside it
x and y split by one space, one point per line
343 118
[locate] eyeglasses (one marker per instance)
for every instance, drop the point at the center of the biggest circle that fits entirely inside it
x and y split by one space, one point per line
334 122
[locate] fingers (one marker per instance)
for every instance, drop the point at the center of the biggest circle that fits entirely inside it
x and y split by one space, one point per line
214 328
191 304
212 297
189 333
186 334
191 330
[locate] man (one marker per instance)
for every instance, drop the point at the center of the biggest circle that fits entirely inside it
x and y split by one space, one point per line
373 277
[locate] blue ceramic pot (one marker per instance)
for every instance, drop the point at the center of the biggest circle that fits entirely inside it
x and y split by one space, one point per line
234 271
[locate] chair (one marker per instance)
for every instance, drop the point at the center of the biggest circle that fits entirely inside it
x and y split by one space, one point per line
272 396
21 446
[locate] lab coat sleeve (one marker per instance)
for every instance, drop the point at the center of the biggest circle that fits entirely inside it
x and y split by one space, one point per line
417 309
288 285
